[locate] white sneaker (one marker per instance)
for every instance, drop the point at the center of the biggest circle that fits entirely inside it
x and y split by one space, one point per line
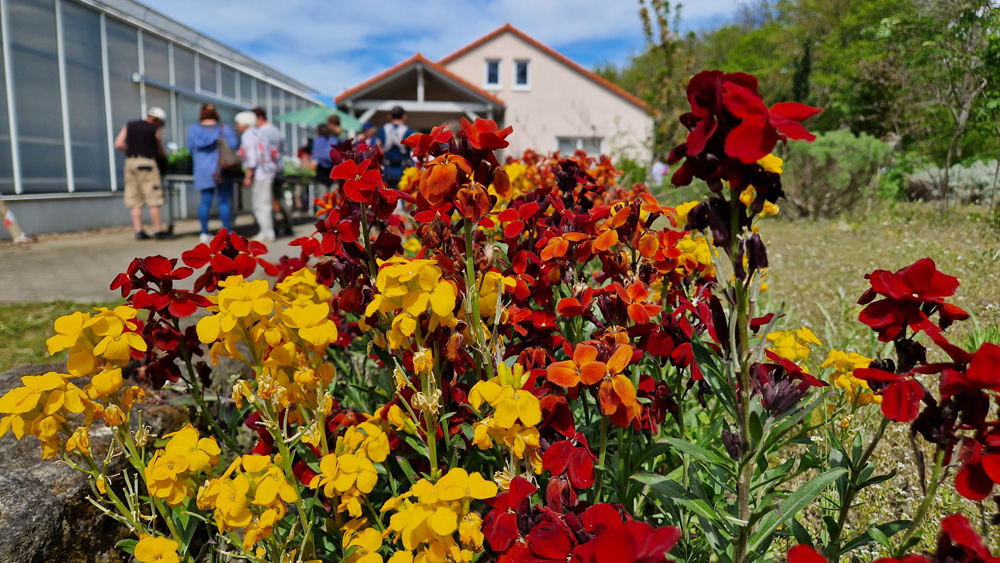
22 240
205 238
263 237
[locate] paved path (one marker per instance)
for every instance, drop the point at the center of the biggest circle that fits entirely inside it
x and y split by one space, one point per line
80 267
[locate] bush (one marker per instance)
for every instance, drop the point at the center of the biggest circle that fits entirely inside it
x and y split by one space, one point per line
832 174
970 183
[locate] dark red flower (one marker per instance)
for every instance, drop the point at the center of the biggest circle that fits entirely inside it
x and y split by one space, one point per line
983 373
762 128
500 525
910 295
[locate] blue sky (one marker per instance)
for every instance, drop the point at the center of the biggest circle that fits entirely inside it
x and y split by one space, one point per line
333 45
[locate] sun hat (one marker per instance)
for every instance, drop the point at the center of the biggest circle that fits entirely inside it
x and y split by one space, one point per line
158 113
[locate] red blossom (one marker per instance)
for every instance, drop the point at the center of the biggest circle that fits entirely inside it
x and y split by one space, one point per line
484 134
762 128
359 181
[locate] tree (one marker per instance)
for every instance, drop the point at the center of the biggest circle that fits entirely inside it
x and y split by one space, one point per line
955 36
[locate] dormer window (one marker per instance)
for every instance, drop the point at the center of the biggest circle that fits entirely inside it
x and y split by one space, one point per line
492 77
522 75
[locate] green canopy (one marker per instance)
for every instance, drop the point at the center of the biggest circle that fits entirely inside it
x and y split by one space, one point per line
317 115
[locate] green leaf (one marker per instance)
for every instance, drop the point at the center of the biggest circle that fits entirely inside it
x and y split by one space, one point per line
880 537
128 546
799 532
888 530
700 453
791 506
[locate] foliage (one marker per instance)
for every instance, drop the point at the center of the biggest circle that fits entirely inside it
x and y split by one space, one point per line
971 183
834 173
533 364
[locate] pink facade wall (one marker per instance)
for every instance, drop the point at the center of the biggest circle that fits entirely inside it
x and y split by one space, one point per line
561 102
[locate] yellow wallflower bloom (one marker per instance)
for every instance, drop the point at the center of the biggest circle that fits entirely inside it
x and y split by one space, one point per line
771 163
408 288
793 345
157 549
105 383
312 323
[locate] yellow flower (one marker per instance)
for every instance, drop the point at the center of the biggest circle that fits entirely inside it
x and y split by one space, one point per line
199 452
312 323
302 288
844 364
79 441
105 383
407 288
771 163
683 210
157 549
166 477
239 302
793 345
367 543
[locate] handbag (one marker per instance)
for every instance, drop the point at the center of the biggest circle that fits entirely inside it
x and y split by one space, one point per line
229 162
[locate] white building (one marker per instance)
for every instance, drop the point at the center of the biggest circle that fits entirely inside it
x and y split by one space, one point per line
552 102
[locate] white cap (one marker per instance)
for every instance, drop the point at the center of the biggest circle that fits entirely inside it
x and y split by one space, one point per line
247 118
158 113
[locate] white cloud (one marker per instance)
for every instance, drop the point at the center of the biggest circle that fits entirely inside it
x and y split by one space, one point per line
332 46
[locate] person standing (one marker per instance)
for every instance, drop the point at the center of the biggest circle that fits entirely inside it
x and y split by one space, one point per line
11 224
142 143
367 135
327 136
259 165
277 140
203 142
397 155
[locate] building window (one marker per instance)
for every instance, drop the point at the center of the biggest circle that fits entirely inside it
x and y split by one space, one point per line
492 78
522 75
590 145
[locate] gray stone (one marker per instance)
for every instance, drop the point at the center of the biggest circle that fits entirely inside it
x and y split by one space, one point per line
44 512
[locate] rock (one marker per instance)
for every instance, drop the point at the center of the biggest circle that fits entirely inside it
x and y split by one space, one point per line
44 512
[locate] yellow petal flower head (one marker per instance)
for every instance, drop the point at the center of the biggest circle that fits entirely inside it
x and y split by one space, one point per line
408 288
312 323
157 549
771 163
302 288
105 383
199 452
166 477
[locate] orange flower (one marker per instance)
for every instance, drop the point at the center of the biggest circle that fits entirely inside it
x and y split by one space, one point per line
617 393
440 178
636 296
557 246
583 368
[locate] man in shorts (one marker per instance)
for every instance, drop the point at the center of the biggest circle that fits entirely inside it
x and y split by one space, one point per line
142 143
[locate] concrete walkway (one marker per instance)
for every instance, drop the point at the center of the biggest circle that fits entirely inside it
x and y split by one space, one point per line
81 266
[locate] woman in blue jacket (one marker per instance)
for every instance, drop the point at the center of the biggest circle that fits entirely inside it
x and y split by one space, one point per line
202 141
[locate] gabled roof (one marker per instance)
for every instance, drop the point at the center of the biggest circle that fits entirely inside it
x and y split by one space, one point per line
549 51
435 67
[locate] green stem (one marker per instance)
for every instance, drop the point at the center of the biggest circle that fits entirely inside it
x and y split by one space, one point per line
832 551
925 505
600 459
366 237
476 322
743 341
199 400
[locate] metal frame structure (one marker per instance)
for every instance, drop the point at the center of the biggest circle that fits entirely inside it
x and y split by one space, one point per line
143 21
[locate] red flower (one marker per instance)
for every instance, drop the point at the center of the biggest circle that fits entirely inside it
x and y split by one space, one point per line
574 456
423 143
359 181
628 542
804 554
909 296
761 129
983 373
483 134
901 395
500 525
960 543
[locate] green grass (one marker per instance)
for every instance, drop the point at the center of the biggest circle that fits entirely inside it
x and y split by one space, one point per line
24 327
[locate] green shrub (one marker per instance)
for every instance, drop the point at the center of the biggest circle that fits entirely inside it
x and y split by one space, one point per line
832 174
969 182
